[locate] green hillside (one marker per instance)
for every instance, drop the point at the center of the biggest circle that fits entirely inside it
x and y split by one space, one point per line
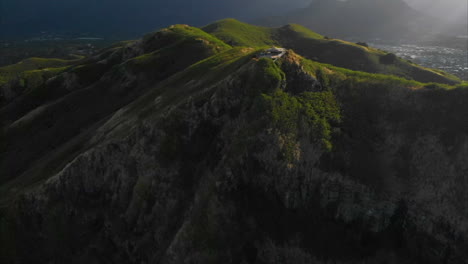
187 44
175 57
28 75
182 148
7 73
141 65
332 51
237 33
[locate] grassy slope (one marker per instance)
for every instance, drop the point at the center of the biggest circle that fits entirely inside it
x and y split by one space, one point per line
173 89
31 65
337 74
199 75
207 72
286 112
171 50
304 32
332 51
237 33
181 39
186 43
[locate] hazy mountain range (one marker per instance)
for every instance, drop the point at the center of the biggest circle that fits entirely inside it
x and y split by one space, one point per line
385 19
450 10
123 19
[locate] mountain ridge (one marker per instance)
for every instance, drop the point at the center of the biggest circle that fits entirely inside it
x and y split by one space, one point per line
389 20
326 50
179 147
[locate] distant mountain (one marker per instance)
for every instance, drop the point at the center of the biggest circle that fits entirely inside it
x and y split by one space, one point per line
194 145
449 10
386 19
123 18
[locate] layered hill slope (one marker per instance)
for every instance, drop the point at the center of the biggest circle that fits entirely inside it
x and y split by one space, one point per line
15 79
51 113
332 51
384 19
179 148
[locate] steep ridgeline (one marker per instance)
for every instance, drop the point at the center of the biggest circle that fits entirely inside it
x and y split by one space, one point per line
51 112
332 51
179 148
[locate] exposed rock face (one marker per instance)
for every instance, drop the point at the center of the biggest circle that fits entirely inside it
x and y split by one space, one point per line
268 163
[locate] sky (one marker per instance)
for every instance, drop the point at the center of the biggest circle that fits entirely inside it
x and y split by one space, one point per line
129 16
135 17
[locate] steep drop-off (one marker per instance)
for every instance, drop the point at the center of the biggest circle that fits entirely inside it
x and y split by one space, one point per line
178 148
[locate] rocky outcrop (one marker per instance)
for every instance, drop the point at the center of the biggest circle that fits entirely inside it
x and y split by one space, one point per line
203 181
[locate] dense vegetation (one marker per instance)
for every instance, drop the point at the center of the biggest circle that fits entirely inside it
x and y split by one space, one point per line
180 147
297 114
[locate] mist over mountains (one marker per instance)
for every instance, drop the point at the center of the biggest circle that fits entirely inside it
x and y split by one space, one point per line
127 19
450 10
123 18
384 19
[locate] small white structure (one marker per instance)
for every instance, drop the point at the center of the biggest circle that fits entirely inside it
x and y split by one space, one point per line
273 53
